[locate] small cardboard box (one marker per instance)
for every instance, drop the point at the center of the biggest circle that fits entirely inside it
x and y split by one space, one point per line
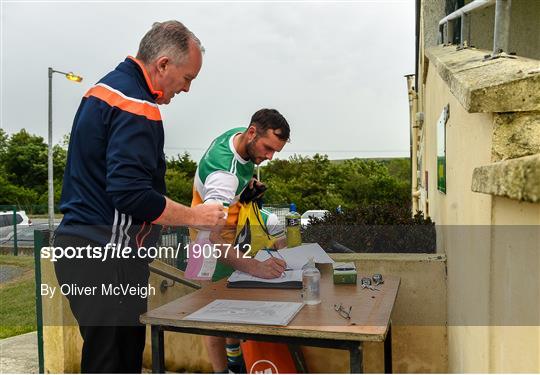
344 273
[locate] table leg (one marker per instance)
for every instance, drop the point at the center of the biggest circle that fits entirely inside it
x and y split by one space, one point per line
388 351
158 351
355 353
298 358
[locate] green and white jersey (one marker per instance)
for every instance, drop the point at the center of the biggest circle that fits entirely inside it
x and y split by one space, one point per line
222 173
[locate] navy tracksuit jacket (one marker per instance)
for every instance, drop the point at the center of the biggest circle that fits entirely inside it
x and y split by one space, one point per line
114 181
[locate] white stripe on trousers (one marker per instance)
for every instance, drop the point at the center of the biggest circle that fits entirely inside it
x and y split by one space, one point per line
121 236
126 244
115 222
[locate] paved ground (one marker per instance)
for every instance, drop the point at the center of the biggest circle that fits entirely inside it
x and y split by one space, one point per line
18 354
9 272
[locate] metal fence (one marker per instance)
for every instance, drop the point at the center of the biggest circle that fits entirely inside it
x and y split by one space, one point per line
280 210
177 239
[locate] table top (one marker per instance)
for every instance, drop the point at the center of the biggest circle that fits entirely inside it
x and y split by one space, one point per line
370 315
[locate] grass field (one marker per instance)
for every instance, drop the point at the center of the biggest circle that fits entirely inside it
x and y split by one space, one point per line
17 298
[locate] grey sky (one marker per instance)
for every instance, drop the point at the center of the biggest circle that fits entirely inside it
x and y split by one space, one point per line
334 70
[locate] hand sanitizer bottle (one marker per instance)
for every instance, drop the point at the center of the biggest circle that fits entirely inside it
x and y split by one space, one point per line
311 281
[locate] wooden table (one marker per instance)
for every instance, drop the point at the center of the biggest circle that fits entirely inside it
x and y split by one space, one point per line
318 325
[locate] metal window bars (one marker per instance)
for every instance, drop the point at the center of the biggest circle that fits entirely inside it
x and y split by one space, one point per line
501 28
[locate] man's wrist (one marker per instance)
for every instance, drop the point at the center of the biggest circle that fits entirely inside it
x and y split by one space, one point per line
251 266
189 216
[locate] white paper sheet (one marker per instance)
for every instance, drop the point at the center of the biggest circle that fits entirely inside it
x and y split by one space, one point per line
296 257
247 312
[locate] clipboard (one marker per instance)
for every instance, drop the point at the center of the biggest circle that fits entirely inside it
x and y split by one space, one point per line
288 280
262 285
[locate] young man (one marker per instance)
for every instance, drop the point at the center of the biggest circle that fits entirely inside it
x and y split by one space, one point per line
224 171
114 193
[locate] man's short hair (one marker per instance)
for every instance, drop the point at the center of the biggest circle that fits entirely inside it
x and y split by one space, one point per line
265 119
169 38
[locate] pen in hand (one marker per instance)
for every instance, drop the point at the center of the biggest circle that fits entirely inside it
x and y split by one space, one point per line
280 257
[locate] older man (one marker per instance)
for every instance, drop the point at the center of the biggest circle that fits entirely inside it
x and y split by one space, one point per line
113 196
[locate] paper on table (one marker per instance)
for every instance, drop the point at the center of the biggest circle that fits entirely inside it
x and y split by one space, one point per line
295 275
296 257
247 312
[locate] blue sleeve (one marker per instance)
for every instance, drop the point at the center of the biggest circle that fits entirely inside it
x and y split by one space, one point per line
132 160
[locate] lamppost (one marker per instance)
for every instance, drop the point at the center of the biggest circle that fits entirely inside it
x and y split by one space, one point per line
71 77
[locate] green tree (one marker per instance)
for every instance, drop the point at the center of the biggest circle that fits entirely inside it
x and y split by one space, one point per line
368 181
65 141
400 168
179 186
3 146
25 161
182 163
318 183
308 182
179 178
12 194
59 163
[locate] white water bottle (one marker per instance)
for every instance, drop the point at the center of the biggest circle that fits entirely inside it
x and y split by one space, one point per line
311 284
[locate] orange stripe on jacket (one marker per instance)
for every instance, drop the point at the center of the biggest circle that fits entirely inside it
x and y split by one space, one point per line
114 99
146 77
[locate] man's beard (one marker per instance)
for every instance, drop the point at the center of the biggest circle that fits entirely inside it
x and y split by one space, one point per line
250 149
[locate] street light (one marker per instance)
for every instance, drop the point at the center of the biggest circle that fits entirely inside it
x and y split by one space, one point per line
75 78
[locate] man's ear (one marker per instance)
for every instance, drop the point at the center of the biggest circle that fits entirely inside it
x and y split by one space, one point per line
251 132
161 64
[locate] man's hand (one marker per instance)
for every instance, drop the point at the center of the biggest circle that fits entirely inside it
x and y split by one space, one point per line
253 191
255 183
269 269
208 216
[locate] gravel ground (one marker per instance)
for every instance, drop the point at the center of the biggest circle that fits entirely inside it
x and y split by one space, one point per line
19 354
9 272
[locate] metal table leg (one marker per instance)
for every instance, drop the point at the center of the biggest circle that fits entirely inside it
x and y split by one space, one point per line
388 350
355 353
158 350
298 358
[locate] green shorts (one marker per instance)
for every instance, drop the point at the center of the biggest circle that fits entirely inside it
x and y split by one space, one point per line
222 270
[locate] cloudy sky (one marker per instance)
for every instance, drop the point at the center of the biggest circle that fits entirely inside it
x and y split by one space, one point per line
333 69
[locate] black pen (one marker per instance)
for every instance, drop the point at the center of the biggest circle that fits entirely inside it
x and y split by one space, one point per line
280 256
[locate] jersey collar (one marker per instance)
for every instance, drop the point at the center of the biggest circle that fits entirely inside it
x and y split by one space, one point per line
235 153
158 94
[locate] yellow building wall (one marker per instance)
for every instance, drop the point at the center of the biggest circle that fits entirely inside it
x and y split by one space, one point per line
515 292
468 145
467 247
62 342
493 271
